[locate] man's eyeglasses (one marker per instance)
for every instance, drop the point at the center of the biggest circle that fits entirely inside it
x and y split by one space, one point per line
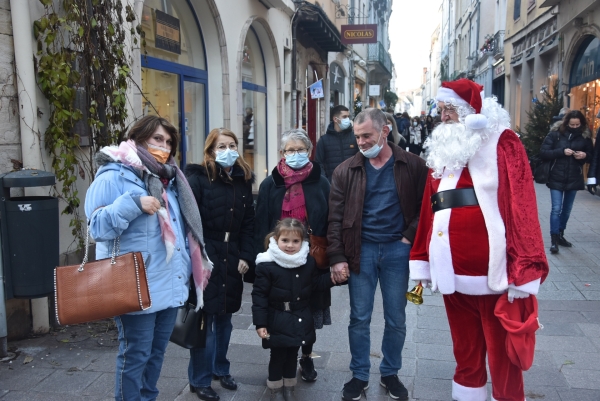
290 152
445 110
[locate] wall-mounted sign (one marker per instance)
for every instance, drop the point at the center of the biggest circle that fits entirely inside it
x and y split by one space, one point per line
352 34
586 66
360 73
167 33
499 70
373 90
336 78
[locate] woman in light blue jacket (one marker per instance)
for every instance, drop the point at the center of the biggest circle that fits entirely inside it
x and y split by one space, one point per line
142 200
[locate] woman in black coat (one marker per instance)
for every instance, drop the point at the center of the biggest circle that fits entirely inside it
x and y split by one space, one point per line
222 186
594 171
568 147
277 200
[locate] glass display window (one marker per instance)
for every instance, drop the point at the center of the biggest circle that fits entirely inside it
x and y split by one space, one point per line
174 76
254 100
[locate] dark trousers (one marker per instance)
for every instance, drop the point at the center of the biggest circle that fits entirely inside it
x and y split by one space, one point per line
307 349
283 363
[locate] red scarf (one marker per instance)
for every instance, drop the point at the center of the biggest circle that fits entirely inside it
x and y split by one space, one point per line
294 204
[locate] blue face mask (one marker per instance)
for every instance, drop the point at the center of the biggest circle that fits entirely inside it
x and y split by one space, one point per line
373 151
296 161
227 157
345 123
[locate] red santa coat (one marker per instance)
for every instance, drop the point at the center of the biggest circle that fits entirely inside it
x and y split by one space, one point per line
483 249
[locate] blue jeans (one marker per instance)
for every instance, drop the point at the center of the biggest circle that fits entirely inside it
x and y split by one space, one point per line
562 203
388 263
142 343
204 362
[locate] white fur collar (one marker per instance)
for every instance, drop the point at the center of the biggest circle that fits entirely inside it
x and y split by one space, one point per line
274 254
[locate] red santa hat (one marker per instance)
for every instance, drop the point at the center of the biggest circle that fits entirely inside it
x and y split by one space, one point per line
520 320
463 93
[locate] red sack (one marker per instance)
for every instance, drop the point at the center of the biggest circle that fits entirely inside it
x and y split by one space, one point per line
520 319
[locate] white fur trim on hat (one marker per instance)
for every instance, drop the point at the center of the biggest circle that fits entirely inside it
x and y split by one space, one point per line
447 95
476 121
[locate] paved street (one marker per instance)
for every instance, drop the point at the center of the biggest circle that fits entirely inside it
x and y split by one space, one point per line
77 363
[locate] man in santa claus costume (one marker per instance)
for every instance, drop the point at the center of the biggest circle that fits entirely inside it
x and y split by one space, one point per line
479 235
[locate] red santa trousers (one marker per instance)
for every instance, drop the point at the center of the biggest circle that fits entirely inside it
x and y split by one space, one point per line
475 329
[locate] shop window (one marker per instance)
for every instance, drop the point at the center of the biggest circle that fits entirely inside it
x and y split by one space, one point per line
171 33
174 77
254 99
585 82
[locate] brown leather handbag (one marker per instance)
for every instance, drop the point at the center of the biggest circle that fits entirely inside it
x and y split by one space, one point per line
101 289
318 249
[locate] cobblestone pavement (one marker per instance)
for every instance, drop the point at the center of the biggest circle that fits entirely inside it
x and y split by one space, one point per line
77 363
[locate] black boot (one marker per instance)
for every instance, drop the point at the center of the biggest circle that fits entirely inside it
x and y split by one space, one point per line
554 247
562 241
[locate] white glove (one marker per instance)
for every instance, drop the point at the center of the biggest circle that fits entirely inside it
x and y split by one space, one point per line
243 266
426 283
513 293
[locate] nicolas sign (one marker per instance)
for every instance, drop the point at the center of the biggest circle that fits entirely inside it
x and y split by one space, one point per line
352 34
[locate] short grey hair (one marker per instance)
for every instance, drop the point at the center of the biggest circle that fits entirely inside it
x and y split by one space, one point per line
376 116
296 134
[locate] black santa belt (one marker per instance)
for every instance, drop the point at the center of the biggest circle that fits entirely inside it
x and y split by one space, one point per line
453 198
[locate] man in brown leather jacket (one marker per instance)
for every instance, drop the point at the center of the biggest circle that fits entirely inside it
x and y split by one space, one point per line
374 206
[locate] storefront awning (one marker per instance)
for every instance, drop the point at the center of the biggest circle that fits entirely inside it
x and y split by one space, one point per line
313 23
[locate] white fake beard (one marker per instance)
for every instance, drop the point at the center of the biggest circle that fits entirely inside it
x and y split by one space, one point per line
451 145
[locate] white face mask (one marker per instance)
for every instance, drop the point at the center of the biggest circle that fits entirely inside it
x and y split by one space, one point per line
391 127
344 123
374 150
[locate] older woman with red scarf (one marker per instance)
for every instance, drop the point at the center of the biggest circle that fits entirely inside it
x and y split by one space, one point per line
296 188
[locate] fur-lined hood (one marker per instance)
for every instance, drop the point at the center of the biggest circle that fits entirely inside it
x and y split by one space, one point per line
556 126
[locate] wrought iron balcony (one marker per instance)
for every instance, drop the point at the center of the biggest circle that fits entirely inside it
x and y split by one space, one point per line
499 45
377 53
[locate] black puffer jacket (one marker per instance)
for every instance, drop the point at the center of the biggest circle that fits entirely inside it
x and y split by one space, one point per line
594 171
566 172
268 213
226 205
333 148
275 285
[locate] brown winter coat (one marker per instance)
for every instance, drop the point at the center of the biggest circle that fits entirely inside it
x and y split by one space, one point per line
346 200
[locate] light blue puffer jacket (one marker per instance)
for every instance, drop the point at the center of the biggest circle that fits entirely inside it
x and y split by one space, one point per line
112 212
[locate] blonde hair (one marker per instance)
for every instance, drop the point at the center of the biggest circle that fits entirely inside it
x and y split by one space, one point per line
287 225
209 153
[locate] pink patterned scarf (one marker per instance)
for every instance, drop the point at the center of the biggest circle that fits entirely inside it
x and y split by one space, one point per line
155 175
294 204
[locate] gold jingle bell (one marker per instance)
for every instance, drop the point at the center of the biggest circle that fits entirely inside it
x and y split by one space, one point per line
416 295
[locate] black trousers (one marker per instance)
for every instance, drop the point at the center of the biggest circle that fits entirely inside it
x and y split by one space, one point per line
307 349
283 363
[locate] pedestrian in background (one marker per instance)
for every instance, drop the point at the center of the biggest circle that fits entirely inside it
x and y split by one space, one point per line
338 143
222 186
594 171
141 202
429 124
404 126
394 136
373 216
286 276
568 147
416 137
296 188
